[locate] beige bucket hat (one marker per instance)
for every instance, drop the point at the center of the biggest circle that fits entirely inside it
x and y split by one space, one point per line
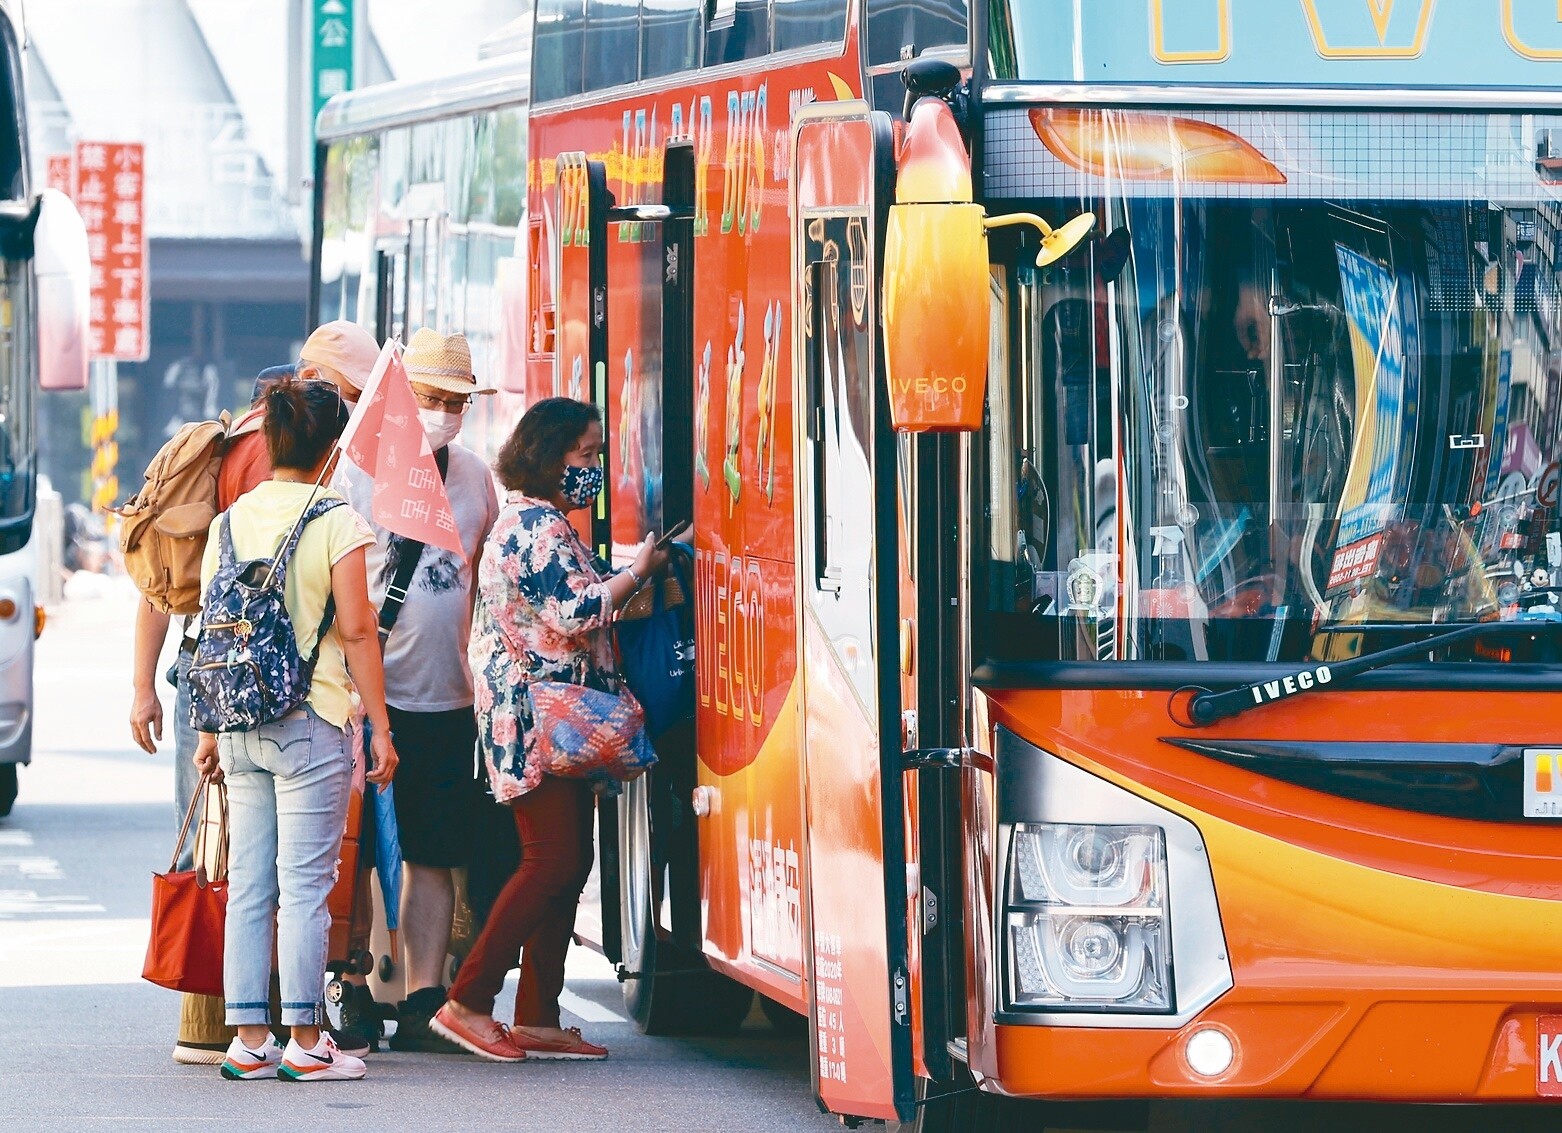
442 361
345 347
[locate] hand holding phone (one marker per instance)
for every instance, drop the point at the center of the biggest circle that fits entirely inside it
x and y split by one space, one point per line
677 529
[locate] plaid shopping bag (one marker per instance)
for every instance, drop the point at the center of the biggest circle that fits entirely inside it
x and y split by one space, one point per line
580 732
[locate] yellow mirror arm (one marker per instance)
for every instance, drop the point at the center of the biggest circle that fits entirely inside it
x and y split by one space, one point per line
1055 243
1013 218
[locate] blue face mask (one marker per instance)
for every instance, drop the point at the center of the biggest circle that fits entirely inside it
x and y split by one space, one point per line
581 486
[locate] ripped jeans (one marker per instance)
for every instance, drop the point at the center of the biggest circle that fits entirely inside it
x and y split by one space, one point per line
288 784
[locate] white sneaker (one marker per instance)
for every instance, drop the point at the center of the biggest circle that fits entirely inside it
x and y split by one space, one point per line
242 1063
324 1063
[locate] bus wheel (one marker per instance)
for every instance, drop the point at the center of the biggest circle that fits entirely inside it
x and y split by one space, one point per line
7 788
665 991
651 1000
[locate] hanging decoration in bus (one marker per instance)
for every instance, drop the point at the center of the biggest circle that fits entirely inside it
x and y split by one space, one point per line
1384 391
1381 43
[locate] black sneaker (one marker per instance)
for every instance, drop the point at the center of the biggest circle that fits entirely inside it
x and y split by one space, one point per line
413 1034
351 1042
362 1022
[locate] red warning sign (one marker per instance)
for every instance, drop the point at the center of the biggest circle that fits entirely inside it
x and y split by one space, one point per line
110 195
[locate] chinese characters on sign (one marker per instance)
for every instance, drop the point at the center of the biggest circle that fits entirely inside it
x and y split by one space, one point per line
332 72
109 194
62 173
830 996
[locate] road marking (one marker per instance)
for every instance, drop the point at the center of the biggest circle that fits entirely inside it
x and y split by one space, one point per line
27 903
15 838
587 1011
62 952
34 867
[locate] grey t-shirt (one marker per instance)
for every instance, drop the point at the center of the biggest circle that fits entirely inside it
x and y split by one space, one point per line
426 668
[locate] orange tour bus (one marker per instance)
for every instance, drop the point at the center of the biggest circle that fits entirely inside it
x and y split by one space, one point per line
1121 439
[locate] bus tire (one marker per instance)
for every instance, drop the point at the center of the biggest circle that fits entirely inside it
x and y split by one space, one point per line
666 992
650 999
8 788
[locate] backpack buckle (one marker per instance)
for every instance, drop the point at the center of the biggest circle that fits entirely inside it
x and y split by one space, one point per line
399 593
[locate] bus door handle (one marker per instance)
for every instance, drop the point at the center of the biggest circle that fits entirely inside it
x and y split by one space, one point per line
934 758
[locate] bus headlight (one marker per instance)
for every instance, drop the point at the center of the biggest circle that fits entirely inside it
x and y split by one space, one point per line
1087 917
1103 908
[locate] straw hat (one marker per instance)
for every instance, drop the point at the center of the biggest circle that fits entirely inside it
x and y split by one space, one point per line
345 347
441 362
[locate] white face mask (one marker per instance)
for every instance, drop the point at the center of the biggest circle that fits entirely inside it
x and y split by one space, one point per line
441 427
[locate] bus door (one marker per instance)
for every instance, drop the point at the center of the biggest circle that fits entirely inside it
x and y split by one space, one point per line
390 290
847 571
580 217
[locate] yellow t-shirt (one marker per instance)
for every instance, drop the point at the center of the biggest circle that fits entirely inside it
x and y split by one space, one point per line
261 520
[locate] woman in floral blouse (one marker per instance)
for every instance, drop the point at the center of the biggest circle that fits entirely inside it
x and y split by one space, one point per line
544 610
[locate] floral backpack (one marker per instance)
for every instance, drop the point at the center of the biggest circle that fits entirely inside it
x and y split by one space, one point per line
247 670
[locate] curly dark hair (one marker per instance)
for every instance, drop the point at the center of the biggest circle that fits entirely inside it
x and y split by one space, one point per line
303 420
532 457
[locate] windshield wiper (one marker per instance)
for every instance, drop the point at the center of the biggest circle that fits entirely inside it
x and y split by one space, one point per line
1207 707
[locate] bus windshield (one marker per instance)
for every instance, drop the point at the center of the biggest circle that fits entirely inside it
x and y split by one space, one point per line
1302 389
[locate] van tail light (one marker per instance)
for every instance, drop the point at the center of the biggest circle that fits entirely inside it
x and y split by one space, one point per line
1131 146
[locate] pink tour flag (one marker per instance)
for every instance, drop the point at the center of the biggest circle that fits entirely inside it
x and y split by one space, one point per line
386 440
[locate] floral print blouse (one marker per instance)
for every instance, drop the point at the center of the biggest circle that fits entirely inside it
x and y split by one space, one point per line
543 614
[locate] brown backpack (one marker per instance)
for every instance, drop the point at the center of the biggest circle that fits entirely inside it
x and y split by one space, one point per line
163 527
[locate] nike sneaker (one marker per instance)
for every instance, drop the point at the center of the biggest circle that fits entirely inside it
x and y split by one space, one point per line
324 1062
241 1063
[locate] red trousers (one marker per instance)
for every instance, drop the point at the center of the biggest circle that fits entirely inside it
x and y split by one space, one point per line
534 916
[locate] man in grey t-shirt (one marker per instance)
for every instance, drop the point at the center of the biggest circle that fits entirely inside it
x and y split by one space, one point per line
428 684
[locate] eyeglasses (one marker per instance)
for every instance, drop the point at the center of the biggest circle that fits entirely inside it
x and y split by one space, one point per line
449 404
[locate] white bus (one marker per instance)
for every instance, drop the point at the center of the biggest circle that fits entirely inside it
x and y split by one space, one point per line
44 274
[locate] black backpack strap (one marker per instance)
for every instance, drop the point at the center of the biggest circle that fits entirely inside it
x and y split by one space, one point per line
411 551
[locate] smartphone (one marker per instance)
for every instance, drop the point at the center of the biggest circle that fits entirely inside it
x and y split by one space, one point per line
678 529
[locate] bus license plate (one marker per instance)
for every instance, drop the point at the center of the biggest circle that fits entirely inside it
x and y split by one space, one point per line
1548 1056
1543 782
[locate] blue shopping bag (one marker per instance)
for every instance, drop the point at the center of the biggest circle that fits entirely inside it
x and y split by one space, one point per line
656 654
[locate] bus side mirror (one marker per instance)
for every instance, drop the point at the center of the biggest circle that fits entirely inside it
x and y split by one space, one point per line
936 292
936 316
63 272
937 296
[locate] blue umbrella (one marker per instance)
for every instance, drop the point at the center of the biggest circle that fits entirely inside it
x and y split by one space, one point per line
380 808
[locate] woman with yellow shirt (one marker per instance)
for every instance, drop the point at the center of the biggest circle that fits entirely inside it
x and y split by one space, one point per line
288 780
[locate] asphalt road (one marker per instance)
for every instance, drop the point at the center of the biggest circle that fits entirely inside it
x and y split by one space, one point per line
85 1044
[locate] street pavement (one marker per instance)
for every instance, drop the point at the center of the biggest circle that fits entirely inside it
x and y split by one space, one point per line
85 1043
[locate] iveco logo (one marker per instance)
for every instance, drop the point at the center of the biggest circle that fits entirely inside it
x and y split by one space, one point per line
1290 686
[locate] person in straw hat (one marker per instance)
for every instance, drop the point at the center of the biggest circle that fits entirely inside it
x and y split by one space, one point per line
428 684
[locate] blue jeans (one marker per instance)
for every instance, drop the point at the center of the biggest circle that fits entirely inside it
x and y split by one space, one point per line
288 784
186 777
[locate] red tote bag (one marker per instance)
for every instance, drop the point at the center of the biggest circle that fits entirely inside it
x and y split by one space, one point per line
189 909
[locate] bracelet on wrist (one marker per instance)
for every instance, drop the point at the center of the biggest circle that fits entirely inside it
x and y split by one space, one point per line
634 574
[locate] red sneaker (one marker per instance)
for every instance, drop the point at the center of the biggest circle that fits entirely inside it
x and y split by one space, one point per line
571 1046
491 1041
